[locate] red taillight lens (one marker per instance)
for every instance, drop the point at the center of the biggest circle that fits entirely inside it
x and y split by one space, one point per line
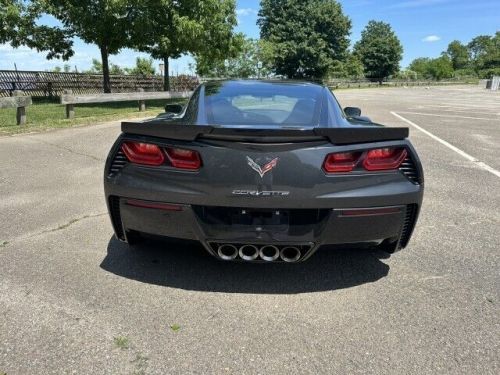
341 162
184 159
143 153
382 159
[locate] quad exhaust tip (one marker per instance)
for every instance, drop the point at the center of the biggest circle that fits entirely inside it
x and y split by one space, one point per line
268 253
227 252
249 252
290 254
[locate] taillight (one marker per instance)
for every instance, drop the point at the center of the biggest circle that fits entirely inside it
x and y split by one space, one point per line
183 159
143 153
382 159
341 162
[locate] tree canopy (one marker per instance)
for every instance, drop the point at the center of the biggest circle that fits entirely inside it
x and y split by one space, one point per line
485 52
243 61
480 57
379 50
104 23
459 54
168 29
18 26
305 38
438 68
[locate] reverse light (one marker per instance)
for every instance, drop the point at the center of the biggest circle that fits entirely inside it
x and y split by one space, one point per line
183 159
341 162
382 159
143 153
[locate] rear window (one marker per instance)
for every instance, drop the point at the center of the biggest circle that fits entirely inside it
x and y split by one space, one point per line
263 104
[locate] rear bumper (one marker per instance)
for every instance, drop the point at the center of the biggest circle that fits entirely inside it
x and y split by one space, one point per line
336 226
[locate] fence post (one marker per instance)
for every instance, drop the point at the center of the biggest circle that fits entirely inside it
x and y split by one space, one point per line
21 111
70 108
142 103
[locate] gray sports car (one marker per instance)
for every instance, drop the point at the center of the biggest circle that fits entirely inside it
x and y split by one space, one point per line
264 171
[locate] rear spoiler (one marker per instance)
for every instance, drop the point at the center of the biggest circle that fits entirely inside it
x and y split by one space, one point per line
339 136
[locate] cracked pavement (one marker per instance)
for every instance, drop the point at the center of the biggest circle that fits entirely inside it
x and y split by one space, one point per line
68 288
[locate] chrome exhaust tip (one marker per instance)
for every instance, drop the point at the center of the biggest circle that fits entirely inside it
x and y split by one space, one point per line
227 252
249 252
290 254
269 253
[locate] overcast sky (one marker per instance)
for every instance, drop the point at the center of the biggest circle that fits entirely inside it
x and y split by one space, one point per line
425 27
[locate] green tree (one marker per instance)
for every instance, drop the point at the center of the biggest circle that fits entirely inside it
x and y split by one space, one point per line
485 52
18 26
438 68
143 66
243 62
354 67
379 50
96 67
421 67
441 67
115 69
168 29
459 55
305 37
105 23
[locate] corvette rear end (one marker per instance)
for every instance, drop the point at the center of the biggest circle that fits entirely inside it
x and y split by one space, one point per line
264 172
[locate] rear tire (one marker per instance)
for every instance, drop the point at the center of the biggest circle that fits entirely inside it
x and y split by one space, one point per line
389 247
133 237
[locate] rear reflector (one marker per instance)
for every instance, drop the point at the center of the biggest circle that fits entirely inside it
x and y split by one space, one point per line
370 211
341 162
154 205
143 153
382 159
183 159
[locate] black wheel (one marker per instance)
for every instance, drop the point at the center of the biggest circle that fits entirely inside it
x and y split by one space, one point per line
133 237
389 246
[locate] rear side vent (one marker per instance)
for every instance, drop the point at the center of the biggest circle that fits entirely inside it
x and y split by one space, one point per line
408 225
114 210
119 161
409 169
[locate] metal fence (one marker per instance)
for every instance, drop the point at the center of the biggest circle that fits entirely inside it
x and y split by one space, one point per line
361 83
50 84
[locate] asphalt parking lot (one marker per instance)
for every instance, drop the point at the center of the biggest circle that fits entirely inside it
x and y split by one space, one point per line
75 300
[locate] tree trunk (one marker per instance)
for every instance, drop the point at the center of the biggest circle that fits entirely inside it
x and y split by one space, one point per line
166 75
106 83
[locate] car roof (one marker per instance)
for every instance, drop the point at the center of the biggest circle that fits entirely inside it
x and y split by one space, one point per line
243 86
260 82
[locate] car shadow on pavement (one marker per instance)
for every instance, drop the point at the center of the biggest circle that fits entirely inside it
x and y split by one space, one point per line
188 266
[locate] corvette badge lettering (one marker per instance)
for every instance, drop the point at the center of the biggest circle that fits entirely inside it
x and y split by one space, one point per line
264 169
265 193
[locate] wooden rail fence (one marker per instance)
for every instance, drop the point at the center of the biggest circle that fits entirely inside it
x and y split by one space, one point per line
19 102
50 84
69 99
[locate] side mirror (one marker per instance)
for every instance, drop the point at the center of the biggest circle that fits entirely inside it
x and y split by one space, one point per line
174 108
352 111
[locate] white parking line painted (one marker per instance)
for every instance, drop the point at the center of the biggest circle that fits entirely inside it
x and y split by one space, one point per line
435 115
479 163
462 107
